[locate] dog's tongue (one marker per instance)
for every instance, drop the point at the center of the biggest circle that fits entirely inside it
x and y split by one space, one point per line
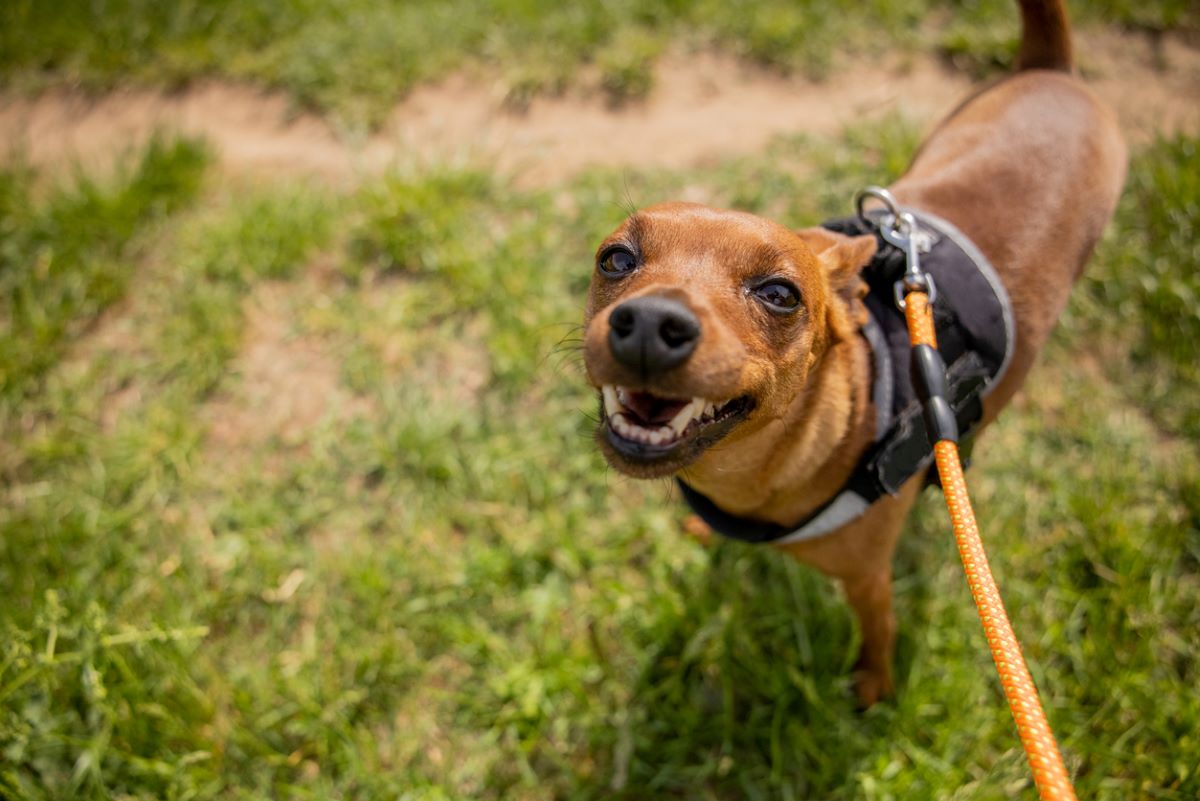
651 408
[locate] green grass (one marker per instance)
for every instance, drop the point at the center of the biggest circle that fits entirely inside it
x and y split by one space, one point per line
1148 279
981 36
65 258
435 589
355 59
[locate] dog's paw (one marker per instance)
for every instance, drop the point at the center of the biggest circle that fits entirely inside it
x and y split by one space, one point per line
698 530
872 685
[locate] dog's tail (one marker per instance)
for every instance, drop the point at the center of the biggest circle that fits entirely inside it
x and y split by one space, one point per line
1045 36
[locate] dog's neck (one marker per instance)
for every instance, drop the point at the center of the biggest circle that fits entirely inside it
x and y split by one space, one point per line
792 465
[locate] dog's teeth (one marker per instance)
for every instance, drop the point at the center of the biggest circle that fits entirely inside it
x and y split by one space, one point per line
686 415
622 425
615 410
636 433
611 404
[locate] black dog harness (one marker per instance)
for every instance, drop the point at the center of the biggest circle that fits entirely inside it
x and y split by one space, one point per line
973 318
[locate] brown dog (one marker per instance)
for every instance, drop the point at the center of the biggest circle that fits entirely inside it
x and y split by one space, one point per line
706 326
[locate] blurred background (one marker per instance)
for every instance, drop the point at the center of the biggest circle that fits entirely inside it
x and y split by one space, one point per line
297 490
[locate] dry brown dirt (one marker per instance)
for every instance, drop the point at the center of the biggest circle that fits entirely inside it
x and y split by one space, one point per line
703 106
287 383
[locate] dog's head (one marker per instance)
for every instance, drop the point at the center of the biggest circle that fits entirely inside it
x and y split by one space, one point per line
702 325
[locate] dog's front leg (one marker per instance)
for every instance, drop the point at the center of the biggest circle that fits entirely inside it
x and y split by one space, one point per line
859 556
870 595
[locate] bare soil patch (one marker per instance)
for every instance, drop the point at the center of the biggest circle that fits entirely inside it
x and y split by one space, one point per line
289 383
703 106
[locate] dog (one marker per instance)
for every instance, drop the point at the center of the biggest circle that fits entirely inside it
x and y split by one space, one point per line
729 352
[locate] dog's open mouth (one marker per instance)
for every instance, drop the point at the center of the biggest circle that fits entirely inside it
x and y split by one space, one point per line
645 427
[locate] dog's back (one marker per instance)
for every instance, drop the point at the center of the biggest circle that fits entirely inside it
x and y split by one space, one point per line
1030 169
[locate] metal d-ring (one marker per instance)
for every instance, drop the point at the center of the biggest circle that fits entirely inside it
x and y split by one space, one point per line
897 227
877 193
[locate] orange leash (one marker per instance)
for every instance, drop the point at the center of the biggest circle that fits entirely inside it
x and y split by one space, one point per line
1049 773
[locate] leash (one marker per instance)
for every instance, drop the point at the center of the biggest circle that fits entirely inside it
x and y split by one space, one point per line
915 293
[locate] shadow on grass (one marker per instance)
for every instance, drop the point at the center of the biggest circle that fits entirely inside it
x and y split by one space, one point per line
748 691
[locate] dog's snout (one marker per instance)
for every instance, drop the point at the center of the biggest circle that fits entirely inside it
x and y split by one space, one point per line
652 334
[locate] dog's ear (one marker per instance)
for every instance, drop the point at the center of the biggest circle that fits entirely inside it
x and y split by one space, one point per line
843 258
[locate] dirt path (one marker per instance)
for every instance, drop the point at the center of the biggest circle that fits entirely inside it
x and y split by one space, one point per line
702 107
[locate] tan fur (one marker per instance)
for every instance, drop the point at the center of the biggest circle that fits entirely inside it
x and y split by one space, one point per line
1030 169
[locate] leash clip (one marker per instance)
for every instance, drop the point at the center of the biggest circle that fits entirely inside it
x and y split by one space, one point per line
900 228
903 231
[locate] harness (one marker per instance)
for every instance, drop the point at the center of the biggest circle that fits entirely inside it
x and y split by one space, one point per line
975 331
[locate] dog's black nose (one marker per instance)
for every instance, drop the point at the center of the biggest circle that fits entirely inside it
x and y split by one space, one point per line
651 334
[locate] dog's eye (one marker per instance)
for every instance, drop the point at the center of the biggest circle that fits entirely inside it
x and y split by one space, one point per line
779 296
617 261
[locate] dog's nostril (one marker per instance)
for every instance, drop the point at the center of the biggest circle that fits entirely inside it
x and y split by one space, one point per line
623 321
676 332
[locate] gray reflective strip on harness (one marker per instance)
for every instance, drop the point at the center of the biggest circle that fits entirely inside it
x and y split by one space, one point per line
848 505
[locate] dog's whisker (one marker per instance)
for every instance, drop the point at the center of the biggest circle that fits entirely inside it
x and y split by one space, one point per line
629 207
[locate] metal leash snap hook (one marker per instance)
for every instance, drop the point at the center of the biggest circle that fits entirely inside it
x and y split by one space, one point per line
900 229
904 232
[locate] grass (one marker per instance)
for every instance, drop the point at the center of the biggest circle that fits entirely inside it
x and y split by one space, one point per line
64 260
353 60
299 497
980 36
1154 289
430 587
